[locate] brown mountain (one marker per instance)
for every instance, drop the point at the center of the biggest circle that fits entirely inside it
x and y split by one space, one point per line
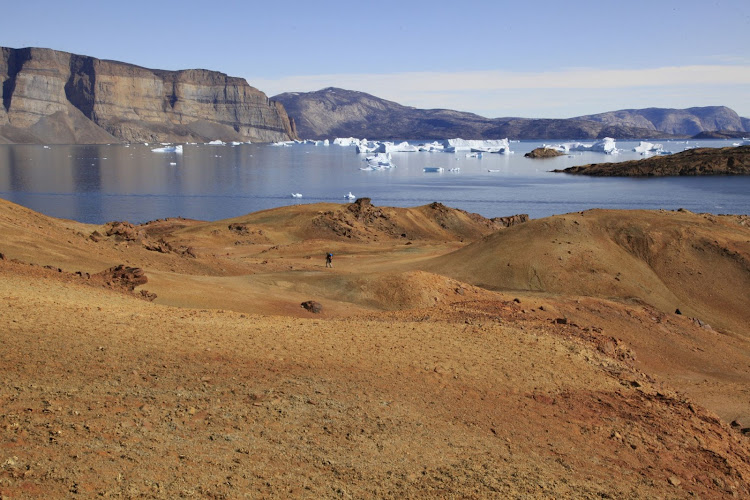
334 112
57 97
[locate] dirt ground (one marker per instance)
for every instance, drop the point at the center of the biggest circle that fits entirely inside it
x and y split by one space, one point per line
419 378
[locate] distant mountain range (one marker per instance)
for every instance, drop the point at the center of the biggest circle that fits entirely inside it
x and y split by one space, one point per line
334 112
54 97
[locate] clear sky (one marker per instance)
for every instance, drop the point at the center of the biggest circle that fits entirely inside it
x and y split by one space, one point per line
537 59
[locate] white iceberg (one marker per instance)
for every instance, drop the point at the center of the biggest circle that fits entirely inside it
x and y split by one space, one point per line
501 146
169 149
349 196
347 141
379 161
647 147
296 195
606 145
402 147
283 143
217 142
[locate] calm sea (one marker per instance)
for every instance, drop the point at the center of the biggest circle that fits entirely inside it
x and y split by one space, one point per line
97 184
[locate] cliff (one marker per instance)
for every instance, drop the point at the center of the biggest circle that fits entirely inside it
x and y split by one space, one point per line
334 112
57 97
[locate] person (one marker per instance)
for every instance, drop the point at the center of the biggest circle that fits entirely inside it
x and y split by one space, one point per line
329 259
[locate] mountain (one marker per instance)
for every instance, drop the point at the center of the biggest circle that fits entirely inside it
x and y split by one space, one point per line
334 112
58 97
689 121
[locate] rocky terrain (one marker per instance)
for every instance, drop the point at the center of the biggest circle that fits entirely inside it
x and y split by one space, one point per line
450 355
53 97
543 153
698 161
334 112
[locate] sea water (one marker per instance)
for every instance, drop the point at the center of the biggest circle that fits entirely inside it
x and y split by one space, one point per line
101 183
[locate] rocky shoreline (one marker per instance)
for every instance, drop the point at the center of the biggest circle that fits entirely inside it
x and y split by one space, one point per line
693 162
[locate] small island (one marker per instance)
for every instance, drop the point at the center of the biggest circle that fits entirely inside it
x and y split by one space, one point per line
544 152
693 162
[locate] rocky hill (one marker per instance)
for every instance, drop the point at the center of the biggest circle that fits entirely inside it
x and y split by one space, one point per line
689 121
540 360
334 112
699 161
57 97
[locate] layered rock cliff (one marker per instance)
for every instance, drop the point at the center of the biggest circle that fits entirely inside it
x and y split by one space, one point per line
57 97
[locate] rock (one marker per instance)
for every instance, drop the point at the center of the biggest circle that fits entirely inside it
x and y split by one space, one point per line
312 306
2 256
124 276
123 231
693 162
677 311
511 220
674 481
55 97
148 295
543 153
561 321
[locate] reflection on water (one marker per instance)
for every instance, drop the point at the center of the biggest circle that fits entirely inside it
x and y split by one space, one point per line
100 183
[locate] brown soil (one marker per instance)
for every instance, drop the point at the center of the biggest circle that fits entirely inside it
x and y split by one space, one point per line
422 376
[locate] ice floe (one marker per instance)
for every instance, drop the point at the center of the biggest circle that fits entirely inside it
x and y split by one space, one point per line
296 195
645 148
501 146
168 149
217 142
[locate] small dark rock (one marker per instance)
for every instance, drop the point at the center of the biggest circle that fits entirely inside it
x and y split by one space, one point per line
312 306
561 321
736 423
677 311
517 300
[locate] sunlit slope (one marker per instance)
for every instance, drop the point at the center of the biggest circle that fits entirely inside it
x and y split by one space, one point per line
699 264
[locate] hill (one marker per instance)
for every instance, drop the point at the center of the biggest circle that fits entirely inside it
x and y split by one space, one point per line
698 161
53 97
574 379
335 112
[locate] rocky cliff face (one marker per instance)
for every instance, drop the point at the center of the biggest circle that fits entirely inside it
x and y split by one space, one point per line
334 112
58 97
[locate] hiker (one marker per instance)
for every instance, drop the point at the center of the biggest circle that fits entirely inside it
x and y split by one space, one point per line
329 259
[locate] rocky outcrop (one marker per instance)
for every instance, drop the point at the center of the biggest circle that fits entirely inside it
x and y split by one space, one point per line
334 112
699 161
543 153
57 97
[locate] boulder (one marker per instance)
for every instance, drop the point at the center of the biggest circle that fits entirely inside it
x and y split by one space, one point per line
312 306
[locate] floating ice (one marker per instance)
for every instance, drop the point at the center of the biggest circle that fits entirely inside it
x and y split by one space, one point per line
296 195
349 196
647 147
606 145
217 142
501 146
347 141
168 149
432 169
283 143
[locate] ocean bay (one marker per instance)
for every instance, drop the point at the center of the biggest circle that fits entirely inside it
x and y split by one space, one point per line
100 183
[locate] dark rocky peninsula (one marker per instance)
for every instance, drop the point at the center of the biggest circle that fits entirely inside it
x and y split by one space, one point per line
699 161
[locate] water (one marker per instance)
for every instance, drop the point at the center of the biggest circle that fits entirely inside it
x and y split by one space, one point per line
97 184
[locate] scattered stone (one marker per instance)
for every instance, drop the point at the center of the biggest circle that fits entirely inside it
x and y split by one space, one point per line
148 295
677 311
2 256
674 481
312 306
459 290
736 423
561 321
517 300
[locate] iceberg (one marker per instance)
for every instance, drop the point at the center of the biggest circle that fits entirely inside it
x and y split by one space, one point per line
347 141
379 161
501 146
283 143
647 147
606 145
402 147
168 149
217 142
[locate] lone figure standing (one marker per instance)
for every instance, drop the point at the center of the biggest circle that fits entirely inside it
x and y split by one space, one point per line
329 259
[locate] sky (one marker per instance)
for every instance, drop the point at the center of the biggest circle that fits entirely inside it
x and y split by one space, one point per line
534 59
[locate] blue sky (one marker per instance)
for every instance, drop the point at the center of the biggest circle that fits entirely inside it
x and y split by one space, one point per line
494 58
